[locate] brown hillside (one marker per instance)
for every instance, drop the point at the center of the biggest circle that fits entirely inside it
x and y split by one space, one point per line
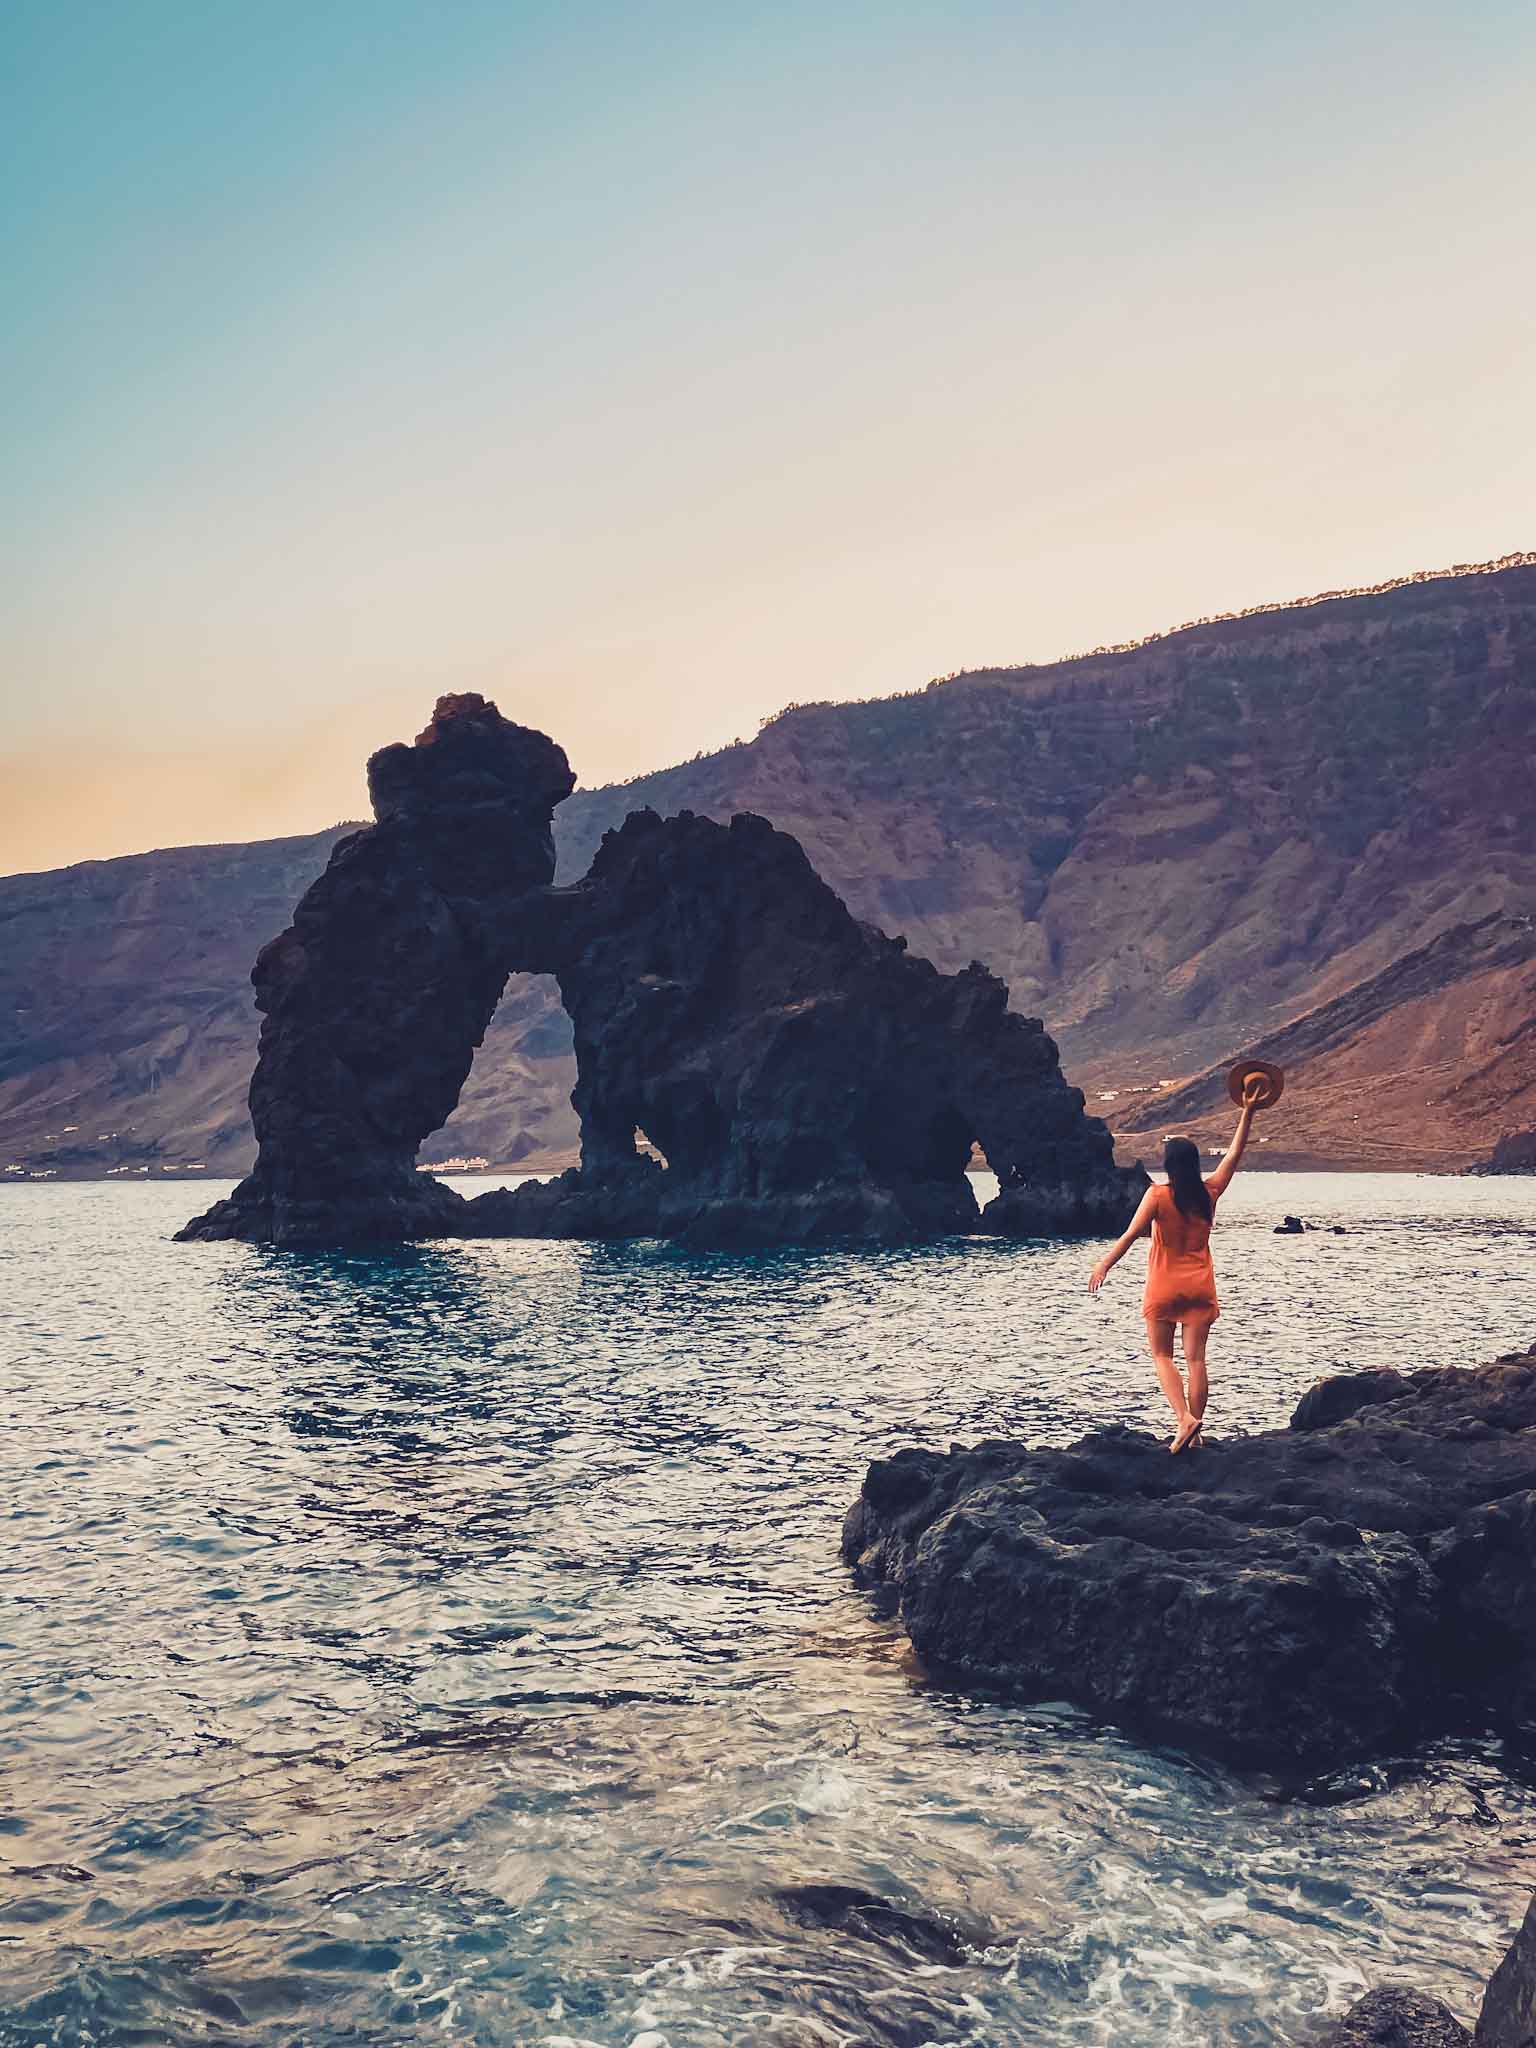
125 1004
1412 1068
1172 852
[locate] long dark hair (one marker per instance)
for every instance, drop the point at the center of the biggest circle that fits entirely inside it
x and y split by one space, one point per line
1181 1163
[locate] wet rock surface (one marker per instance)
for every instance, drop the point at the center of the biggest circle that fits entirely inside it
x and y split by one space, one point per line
1293 1601
1398 2019
1508 2017
923 1937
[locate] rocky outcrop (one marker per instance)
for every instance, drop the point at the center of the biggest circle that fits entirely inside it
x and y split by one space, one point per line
1295 1600
1514 1153
1393 2018
799 1075
802 1076
1399 2018
376 996
1508 2017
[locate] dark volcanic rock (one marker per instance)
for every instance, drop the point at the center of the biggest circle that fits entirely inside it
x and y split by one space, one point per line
1335 1400
1294 1600
1398 2019
374 999
1508 2017
803 1077
1514 1153
849 1909
1407 2019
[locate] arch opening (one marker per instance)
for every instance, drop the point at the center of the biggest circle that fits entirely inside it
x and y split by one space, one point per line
514 1112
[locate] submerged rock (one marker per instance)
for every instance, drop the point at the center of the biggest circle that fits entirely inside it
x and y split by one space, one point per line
1294 1601
865 1916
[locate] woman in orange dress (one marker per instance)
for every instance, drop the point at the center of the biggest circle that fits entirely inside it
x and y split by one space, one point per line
1181 1279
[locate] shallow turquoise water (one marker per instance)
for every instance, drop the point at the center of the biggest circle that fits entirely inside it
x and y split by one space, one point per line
453 1647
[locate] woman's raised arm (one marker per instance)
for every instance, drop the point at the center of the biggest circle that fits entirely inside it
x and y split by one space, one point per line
1232 1159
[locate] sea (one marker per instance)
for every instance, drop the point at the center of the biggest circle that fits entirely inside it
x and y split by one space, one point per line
451 1646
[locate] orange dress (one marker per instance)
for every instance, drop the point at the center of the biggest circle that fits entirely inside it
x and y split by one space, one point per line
1181 1279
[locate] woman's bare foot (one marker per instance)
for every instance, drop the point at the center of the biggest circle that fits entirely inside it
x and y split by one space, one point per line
1187 1429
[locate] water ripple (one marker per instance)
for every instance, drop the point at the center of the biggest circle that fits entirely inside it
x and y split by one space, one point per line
451 1645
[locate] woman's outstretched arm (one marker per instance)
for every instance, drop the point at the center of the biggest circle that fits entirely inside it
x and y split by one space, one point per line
1117 1251
1232 1159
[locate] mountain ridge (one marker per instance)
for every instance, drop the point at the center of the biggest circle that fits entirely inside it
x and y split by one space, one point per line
1168 849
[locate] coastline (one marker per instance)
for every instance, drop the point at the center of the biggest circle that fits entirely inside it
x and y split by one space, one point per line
543 1166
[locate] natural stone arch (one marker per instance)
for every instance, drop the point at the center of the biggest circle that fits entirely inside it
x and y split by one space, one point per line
801 1075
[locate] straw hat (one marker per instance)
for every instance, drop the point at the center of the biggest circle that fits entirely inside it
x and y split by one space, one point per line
1273 1078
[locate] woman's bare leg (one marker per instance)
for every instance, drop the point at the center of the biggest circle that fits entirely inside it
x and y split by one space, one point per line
1160 1338
1195 1335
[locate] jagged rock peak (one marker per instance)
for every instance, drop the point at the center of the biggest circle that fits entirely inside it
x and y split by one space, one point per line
468 755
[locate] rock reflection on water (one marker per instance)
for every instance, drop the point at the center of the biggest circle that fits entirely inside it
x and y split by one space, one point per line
452 1645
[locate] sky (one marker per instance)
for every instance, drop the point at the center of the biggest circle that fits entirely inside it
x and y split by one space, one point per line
649 367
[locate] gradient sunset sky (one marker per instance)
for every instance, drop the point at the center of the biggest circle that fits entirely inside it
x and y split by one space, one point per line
647 367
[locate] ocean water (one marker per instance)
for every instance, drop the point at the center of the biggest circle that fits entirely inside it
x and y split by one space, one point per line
452 1647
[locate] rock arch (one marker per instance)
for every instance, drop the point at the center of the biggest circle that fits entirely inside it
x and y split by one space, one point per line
804 1077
